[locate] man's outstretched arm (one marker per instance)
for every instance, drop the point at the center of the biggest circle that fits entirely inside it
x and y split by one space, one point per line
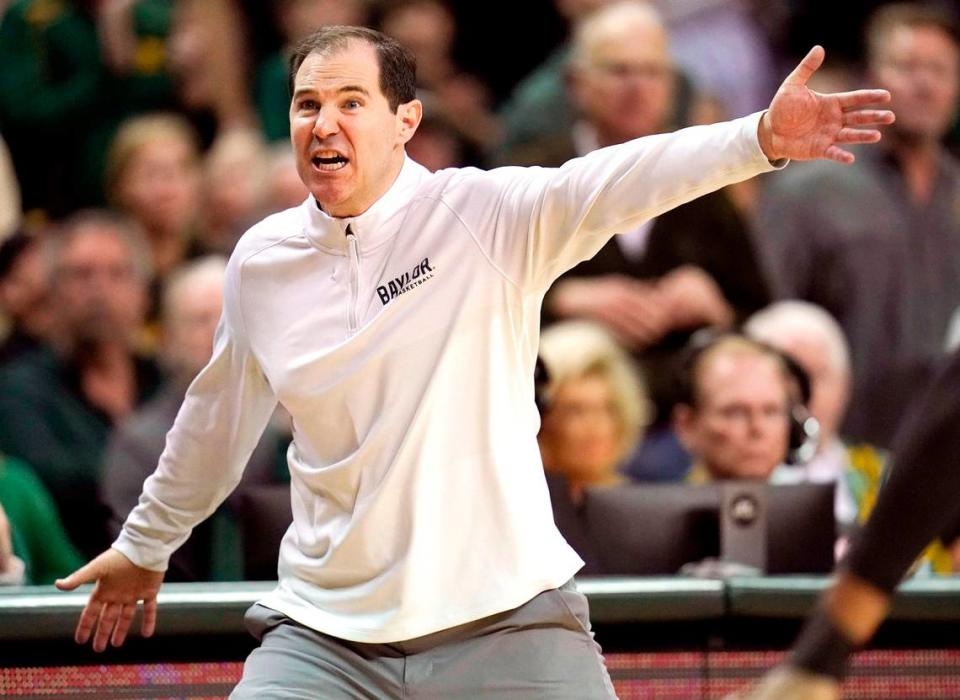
536 223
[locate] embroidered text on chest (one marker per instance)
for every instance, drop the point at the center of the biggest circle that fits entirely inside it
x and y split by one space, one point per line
405 282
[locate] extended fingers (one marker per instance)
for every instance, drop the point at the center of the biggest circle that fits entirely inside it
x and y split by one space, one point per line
149 622
868 117
108 620
839 155
123 624
85 574
88 619
112 621
807 67
847 135
861 98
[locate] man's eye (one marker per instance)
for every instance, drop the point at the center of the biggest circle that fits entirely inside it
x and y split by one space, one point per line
308 105
352 104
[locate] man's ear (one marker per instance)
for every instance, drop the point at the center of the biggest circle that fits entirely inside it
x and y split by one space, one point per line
573 80
409 115
683 425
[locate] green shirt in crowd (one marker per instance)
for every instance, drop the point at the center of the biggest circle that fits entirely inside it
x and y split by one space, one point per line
38 535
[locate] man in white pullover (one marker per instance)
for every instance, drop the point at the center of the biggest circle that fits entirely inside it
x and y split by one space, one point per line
395 316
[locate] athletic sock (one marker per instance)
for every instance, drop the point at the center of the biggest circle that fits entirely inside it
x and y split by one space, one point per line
821 648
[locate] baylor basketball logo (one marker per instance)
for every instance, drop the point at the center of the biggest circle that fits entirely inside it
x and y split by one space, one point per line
405 282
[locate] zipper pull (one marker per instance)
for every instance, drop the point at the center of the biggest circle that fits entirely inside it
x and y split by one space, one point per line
352 319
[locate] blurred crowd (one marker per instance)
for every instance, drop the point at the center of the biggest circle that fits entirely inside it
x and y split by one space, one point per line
773 331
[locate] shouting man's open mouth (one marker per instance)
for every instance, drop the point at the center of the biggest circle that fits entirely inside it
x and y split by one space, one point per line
329 161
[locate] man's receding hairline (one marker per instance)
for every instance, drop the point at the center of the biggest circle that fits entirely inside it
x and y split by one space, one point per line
335 48
731 349
341 45
594 31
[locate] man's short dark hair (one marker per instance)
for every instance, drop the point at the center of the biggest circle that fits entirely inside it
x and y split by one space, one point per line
398 67
903 14
125 228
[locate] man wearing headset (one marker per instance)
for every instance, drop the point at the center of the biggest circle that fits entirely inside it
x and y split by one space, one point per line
735 410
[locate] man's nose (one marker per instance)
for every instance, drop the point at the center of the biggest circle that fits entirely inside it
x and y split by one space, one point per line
326 123
758 423
102 284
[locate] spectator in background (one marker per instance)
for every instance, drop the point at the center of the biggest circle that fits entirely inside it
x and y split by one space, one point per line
285 189
83 64
597 406
540 105
919 501
814 339
192 302
878 245
595 415
23 296
620 88
295 19
34 548
133 37
58 404
691 267
428 28
134 46
52 77
210 62
153 174
734 414
233 189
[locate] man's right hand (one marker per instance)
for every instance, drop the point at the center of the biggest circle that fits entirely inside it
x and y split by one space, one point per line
120 585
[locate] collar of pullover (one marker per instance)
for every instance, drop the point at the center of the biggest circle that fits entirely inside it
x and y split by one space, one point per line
374 226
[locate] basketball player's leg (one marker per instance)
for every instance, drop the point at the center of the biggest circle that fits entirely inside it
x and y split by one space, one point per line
916 504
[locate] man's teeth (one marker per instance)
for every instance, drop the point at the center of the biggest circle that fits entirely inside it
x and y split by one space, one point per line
331 162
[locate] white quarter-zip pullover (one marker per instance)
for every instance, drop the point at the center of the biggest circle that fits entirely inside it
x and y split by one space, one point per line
402 342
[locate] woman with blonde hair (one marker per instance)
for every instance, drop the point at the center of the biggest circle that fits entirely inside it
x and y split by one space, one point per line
153 175
596 412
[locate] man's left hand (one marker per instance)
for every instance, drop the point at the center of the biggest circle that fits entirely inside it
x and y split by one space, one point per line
803 125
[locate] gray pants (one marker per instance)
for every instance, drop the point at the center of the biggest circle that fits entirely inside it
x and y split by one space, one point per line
543 649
